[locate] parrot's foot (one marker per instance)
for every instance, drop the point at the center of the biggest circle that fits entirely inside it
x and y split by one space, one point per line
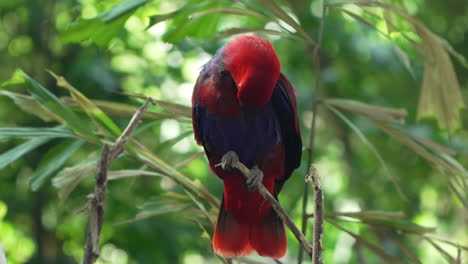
254 179
229 160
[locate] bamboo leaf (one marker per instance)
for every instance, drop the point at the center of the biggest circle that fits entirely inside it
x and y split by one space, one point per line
368 215
237 31
444 253
187 161
120 109
173 108
401 225
31 132
16 78
371 147
121 174
97 115
163 146
30 105
373 111
440 94
53 161
68 178
371 246
53 104
15 153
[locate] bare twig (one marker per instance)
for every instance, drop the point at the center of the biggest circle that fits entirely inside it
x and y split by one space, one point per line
97 200
278 209
317 249
311 144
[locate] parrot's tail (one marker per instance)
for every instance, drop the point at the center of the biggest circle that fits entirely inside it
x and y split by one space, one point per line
268 238
233 239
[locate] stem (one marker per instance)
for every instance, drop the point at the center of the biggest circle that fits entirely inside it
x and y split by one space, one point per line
311 145
97 200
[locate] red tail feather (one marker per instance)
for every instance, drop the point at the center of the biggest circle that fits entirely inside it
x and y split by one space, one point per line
268 238
231 238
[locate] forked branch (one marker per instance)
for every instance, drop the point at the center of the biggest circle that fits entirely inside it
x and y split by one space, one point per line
97 200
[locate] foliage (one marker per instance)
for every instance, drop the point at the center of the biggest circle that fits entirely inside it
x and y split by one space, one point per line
392 157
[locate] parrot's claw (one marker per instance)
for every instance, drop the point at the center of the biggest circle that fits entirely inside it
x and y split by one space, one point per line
229 160
254 179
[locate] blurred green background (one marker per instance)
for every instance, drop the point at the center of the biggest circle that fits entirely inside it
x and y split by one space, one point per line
374 55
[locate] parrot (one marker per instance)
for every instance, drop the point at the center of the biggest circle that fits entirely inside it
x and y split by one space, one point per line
244 109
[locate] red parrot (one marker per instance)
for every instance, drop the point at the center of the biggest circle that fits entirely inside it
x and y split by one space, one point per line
244 108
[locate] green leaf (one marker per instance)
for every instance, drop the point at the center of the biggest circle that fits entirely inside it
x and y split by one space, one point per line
30 105
236 31
121 174
177 109
31 132
120 109
368 215
16 78
371 147
53 161
368 244
441 95
18 151
203 26
52 103
68 178
163 146
102 28
186 10
97 115
373 111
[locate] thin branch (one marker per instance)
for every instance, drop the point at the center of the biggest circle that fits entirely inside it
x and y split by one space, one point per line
278 209
311 144
97 200
317 248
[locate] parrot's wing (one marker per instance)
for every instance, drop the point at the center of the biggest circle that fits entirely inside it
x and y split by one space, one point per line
284 104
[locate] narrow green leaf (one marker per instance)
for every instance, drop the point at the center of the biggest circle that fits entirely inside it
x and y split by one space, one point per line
163 146
31 132
371 246
373 111
120 109
237 31
16 78
401 225
51 102
177 109
30 105
368 215
188 160
121 174
371 147
18 151
53 161
97 115
444 253
68 178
